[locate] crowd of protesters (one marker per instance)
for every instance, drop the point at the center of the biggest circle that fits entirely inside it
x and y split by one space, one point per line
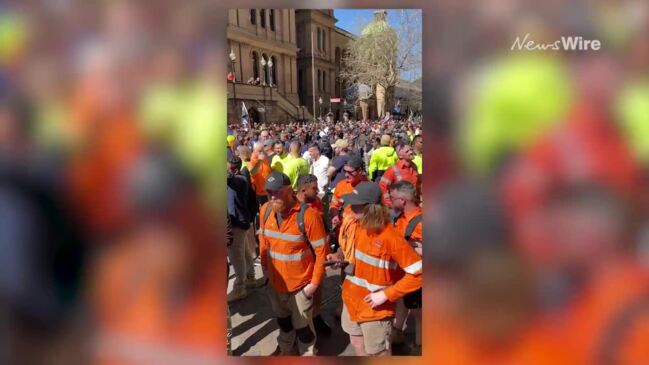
343 196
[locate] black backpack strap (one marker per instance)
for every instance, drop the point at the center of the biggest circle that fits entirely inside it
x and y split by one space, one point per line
616 332
300 219
267 211
410 228
326 215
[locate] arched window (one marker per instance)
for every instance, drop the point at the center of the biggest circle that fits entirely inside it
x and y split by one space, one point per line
319 38
262 15
274 71
271 20
319 81
266 74
253 16
255 65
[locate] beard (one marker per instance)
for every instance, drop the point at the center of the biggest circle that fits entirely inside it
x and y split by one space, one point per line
278 206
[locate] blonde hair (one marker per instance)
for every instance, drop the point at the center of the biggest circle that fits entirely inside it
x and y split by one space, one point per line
375 217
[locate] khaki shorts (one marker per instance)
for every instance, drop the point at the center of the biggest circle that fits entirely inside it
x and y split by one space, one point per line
376 334
295 305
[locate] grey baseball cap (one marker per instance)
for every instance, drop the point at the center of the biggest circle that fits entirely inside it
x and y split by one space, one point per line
276 180
366 192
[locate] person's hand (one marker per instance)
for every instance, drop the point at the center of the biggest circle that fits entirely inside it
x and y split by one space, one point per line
376 299
335 221
309 290
336 256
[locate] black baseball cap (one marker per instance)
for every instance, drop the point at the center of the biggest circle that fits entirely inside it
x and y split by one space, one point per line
366 192
235 161
354 161
276 180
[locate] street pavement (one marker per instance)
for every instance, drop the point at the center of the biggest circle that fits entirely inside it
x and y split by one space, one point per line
255 330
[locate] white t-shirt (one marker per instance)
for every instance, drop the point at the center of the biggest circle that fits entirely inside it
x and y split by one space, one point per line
319 169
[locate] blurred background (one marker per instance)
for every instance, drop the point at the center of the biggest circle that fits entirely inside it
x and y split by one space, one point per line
112 128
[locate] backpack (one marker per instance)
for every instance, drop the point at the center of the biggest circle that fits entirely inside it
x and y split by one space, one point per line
410 228
300 218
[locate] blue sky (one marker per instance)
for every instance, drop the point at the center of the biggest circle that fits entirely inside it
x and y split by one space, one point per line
354 20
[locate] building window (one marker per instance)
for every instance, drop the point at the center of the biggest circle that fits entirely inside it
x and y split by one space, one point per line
253 16
265 70
255 65
274 70
262 15
271 19
324 41
319 83
324 80
300 82
319 39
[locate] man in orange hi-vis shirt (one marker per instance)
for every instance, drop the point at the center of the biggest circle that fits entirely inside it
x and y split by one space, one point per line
292 248
259 168
403 170
403 195
382 256
353 171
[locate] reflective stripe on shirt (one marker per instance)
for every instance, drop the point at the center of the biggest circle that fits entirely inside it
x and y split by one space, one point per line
362 282
412 269
283 236
318 243
289 258
381 264
397 173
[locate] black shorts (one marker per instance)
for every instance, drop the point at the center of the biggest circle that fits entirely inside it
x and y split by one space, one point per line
413 300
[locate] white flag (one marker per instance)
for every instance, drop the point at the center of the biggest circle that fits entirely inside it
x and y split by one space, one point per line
244 115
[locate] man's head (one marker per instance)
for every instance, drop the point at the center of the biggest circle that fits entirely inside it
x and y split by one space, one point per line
418 144
243 152
264 135
341 147
283 136
405 152
295 148
314 151
376 142
234 164
268 146
278 147
307 186
353 169
258 147
385 140
280 193
401 194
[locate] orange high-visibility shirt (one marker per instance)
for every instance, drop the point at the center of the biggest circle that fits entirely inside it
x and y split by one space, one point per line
399 172
402 223
287 255
342 188
259 172
380 260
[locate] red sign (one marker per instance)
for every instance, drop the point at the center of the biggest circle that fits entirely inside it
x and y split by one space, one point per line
334 100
